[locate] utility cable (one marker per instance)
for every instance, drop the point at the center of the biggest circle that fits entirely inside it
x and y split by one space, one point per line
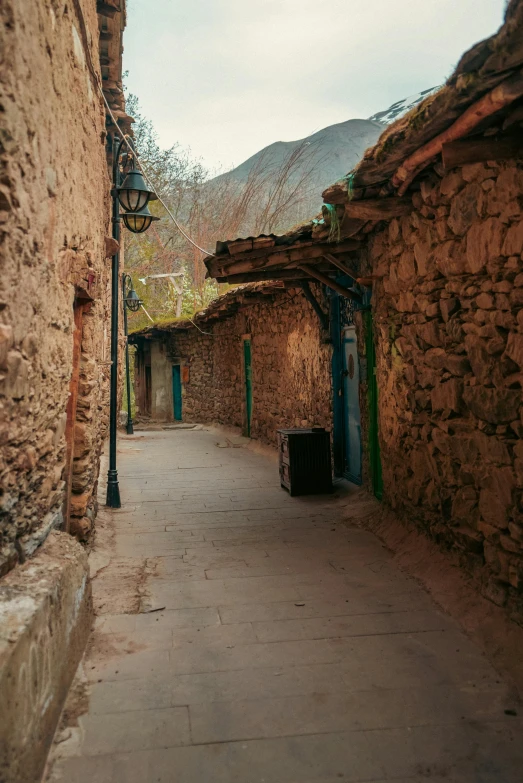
98 84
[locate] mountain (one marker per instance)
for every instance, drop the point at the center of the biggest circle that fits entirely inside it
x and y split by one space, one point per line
333 151
400 108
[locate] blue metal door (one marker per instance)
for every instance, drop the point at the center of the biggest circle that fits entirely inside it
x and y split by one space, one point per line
351 406
177 392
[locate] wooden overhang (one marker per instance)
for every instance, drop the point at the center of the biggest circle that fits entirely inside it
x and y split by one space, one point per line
476 116
300 255
111 24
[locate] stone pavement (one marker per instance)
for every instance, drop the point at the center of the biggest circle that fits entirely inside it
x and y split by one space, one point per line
270 641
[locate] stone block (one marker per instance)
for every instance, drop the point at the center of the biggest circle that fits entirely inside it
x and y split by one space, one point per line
448 307
495 497
484 242
16 382
465 208
429 333
447 396
481 361
493 405
514 349
513 244
41 642
450 259
451 184
6 343
464 504
457 365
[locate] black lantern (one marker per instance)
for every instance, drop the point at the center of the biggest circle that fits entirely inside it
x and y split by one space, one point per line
133 193
138 222
132 301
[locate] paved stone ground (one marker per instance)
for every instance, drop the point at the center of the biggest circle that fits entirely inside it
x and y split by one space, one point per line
273 643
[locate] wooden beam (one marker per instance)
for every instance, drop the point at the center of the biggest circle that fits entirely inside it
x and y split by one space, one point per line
340 265
458 153
379 208
281 259
500 96
309 296
326 280
261 275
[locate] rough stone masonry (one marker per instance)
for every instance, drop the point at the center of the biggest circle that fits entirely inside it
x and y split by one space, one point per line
54 202
449 317
54 330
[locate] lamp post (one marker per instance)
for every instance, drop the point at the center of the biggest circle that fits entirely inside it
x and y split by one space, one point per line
133 303
134 195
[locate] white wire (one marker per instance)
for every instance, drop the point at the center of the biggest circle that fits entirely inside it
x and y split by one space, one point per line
149 180
96 79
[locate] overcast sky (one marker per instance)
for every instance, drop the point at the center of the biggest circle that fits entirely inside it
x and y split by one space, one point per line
228 77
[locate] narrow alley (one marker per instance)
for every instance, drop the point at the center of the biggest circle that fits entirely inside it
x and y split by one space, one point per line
244 636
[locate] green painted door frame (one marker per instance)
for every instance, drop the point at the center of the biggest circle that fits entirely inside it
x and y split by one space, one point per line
372 396
177 392
247 372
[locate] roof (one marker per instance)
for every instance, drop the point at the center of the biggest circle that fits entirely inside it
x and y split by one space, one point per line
220 308
480 103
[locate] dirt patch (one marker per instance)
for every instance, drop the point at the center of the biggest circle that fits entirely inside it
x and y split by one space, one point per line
441 574
110 645
117 583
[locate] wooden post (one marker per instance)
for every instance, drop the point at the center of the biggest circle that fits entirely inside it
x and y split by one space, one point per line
340 265
329 282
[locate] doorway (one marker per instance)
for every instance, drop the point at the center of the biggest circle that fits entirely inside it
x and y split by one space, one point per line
247 373
82 304
374 443
177 392
351 405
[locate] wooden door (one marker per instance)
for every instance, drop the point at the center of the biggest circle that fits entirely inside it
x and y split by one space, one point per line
247 373
177 392
351 406
374 443
79 308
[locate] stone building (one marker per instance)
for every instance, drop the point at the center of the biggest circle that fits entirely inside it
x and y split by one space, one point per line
419 256
257 359
55 218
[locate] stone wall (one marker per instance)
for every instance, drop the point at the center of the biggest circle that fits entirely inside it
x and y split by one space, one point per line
291 367
449 332
54 210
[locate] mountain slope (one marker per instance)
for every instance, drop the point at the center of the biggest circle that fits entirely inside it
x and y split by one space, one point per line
333 150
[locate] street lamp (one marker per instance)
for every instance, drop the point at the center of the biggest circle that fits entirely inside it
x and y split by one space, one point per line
139 221
134 195
131 302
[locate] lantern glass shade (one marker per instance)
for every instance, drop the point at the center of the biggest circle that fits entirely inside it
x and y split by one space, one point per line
134 194
133 301
138 222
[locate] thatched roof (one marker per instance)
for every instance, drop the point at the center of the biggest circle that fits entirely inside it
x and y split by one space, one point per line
220 308
477 115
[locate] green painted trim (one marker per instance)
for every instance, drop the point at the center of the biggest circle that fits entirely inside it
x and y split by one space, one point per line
247 368
372 399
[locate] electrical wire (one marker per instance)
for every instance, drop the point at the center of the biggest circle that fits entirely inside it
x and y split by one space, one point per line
98 84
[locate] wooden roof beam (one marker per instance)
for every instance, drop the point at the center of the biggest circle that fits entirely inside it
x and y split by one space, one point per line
459 153
326 280
340 265
283 259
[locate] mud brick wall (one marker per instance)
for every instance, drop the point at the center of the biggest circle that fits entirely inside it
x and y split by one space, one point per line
54 210
449 332
291 367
